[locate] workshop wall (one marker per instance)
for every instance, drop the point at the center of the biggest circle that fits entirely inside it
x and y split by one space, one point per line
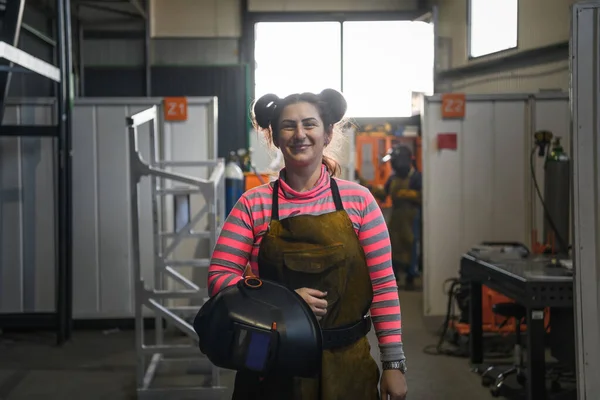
482 190
195 18
541 23
330 5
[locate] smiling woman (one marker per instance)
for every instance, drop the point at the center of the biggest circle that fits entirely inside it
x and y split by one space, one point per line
325 238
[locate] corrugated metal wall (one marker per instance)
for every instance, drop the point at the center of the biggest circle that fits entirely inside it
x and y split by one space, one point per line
228 83
192 51
541 23
165 51
113 52
331 5
27 225
551 76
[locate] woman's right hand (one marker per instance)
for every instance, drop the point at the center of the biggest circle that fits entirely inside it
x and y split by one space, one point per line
315 300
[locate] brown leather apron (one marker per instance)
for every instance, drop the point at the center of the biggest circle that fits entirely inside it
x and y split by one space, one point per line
319 252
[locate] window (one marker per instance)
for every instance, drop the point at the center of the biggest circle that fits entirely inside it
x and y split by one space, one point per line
293 57
384 63
493 26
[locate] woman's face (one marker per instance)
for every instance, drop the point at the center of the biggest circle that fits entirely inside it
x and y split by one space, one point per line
302 136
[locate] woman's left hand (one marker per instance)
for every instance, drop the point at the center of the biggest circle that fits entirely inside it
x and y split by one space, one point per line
393 385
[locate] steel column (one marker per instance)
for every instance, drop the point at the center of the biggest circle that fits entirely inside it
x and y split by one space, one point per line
64 214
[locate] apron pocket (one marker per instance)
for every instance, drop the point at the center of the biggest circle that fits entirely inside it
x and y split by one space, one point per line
322 268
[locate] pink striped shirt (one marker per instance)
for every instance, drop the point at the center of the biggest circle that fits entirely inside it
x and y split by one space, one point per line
245 226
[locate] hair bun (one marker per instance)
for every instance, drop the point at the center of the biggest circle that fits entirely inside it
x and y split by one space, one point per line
336 103
264 109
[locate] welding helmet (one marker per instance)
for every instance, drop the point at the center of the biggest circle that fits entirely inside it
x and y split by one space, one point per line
401 159
260 326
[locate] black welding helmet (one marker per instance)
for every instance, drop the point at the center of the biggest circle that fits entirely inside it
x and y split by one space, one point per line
260 326
401 159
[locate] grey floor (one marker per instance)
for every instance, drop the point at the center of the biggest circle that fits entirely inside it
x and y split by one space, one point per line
101 365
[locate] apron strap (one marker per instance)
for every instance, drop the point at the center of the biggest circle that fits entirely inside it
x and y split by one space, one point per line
335 191
275 201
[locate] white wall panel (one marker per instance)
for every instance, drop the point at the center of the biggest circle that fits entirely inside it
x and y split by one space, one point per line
27 225
331 5
195 18
442 208
103 279
482 191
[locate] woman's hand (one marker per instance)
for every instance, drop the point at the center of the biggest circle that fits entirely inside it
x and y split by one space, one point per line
393 385
315 300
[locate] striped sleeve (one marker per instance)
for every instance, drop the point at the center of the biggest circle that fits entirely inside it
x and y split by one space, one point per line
233 249
385 308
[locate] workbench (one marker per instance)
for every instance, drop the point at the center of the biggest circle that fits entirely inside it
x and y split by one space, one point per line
531 281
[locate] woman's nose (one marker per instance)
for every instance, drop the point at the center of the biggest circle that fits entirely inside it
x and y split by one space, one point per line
300 131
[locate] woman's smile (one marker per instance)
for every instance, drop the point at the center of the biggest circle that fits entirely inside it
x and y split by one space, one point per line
299 148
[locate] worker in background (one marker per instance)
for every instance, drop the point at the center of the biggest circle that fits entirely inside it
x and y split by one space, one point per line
404 187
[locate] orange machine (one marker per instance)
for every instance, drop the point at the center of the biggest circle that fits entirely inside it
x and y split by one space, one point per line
493 323
372 147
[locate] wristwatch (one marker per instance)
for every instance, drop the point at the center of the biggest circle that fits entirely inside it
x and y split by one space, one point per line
399 365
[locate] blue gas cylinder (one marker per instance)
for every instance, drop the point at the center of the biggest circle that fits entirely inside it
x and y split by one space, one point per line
234 183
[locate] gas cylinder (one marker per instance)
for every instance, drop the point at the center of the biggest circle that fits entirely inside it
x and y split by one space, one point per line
557 195
234 183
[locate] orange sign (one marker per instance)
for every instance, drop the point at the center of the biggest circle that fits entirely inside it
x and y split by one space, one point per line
176 108
453 105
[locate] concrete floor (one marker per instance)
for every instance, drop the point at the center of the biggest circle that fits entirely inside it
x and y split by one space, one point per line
101 365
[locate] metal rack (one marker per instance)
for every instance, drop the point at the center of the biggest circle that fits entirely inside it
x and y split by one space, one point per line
13 60
165 267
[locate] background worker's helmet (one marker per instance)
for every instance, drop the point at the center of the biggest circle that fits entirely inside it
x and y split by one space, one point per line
400 158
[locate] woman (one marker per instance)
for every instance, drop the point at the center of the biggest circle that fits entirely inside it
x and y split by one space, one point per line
324 238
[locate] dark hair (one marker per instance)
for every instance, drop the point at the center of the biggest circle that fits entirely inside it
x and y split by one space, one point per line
330 103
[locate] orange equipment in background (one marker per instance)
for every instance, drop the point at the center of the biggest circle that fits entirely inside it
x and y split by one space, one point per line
493 323
253 180
372 147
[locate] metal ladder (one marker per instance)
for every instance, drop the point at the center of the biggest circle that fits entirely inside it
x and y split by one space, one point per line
166 268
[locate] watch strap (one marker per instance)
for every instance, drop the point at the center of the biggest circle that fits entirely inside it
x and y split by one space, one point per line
399 365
